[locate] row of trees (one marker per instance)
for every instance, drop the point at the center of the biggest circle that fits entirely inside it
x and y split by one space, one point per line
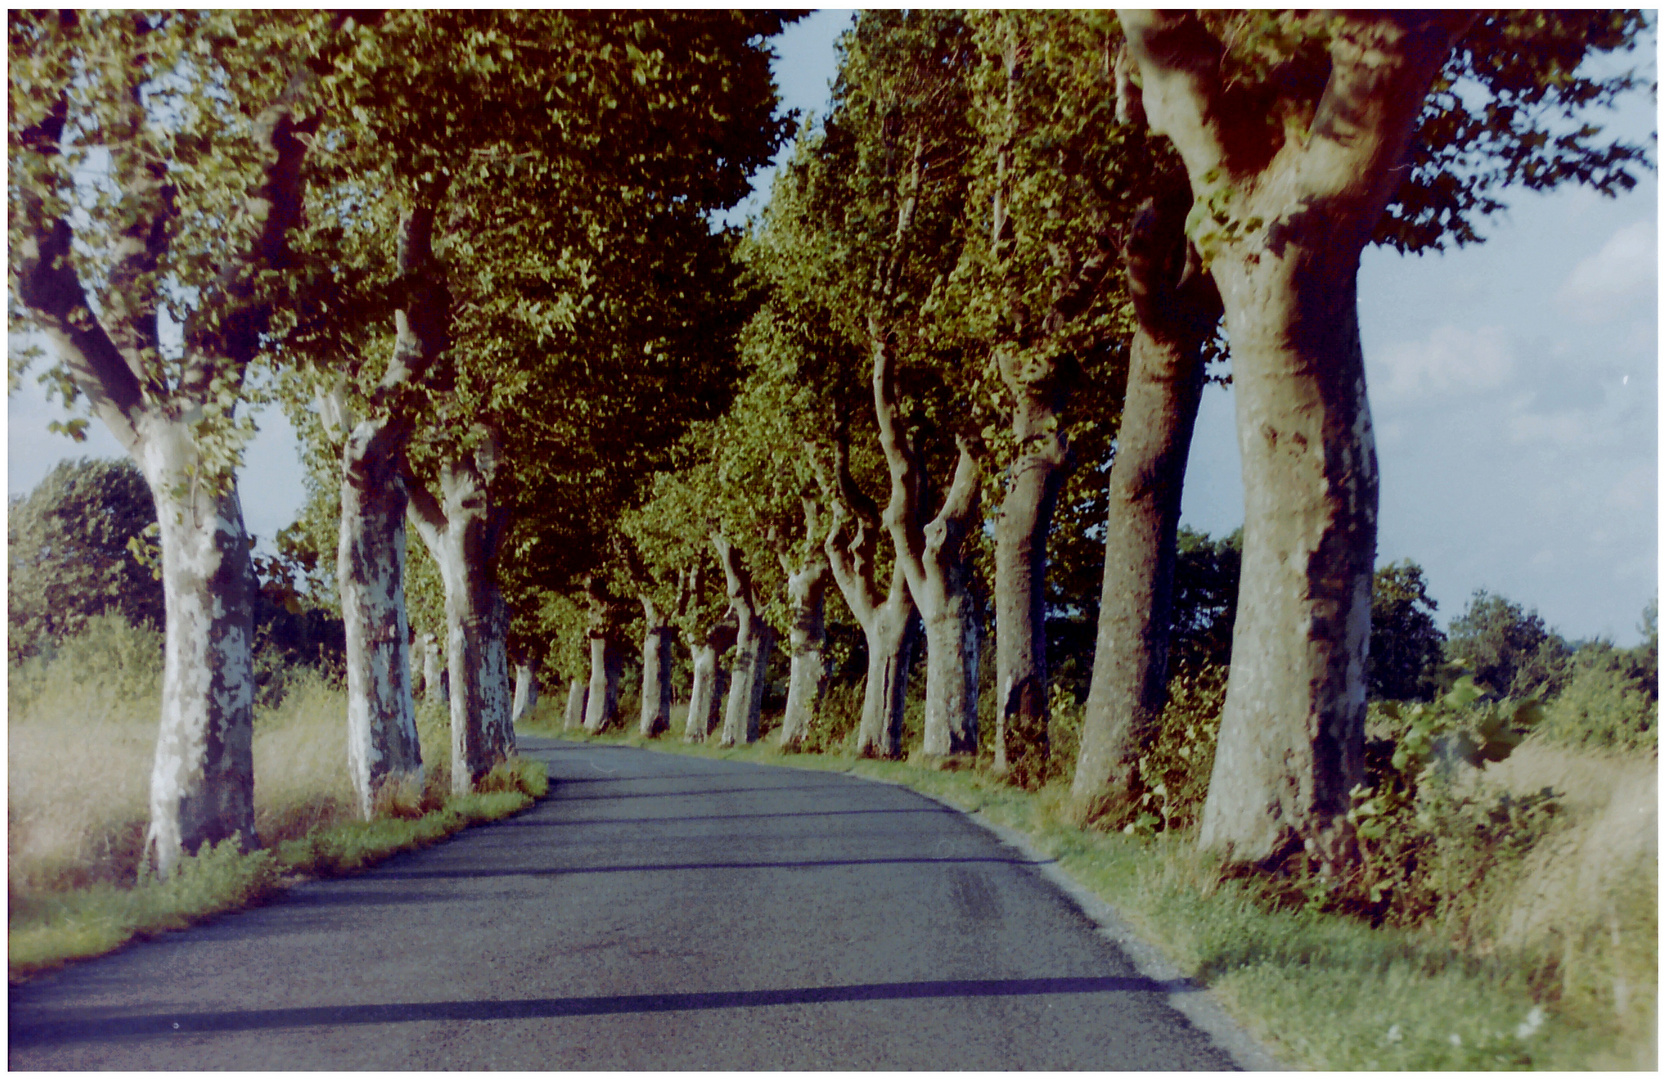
478 245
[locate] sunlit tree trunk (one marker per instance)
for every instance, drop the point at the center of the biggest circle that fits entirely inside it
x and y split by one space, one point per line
434 688
1286 260
807 601
935 559
752 648
461 530
578 694
711 681
888 621
526 689
656 671
202 780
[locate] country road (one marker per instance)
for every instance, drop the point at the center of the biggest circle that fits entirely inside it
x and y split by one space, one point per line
655 912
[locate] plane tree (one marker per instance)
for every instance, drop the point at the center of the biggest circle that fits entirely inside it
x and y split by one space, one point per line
881 200
155 172
1304 137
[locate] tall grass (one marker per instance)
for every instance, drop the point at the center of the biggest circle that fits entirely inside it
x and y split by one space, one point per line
82 732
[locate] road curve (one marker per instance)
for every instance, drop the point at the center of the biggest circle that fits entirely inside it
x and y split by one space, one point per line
656 912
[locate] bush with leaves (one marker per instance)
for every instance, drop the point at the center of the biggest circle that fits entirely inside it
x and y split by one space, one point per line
1428 843
68 554
1611 700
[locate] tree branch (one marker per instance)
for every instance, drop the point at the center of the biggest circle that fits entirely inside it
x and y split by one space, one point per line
1179 63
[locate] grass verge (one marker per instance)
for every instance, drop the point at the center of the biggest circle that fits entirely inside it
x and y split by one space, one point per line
49 930
1320 990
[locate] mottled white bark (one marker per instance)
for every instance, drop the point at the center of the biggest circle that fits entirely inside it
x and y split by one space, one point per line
526 689
461 530
434 689
202 779
806 600
578 694
752 648
601 708
656 671
935 559
1301 210
382 741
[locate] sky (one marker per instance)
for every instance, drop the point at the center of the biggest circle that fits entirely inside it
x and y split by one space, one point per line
1514 390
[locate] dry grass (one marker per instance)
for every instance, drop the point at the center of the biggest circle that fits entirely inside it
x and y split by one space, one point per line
82 733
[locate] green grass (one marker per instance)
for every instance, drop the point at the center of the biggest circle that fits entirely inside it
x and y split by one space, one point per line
47 930
1322 990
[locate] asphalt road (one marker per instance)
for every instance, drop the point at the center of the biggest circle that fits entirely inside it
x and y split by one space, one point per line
656 912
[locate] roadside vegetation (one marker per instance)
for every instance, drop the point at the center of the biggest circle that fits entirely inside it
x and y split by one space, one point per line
77 883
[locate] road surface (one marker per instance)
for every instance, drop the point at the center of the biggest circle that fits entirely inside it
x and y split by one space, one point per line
655 912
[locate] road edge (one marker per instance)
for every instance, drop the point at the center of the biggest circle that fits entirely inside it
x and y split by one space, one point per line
1192 1001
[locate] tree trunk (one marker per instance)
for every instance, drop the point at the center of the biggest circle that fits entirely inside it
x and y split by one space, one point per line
578 693
1177 307
887 621
891 633
1291 744
656 671
935 560
1294 215
752 648
1033 486
711 682
382 741
601 707
807 597
434 688
461 531
202 782
526 689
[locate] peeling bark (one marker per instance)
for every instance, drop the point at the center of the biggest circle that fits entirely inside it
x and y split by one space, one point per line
753 643
887 620
1177 308
656 671
578 695
382 741
1301 209
935 561
1034 481
202 780
461 530
806 599
526 689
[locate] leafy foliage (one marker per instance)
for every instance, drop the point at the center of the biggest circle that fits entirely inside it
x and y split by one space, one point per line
1406 645
1506 648
68 557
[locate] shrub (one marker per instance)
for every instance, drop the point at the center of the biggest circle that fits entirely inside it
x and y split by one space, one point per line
1611 701
1431 849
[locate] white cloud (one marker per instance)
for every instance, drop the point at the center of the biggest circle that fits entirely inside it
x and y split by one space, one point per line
1606 284
1452 360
